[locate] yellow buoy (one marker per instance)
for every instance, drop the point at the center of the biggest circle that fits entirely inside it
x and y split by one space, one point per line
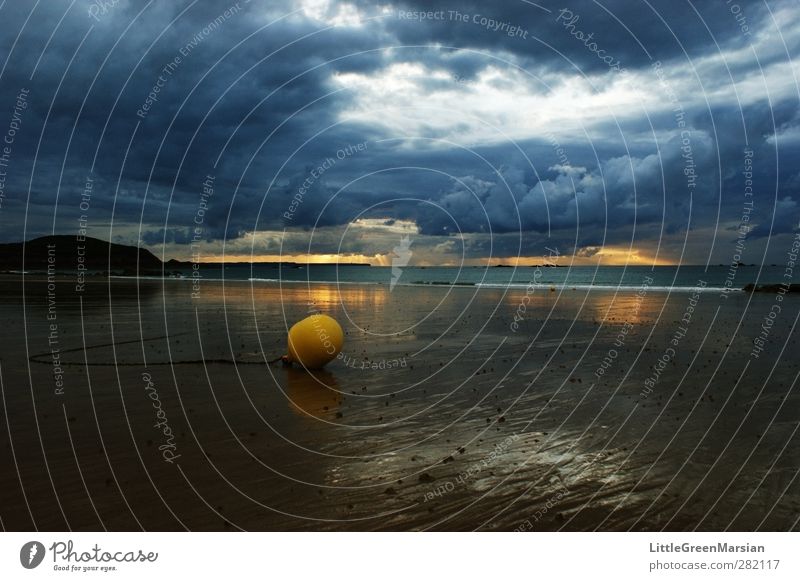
315 341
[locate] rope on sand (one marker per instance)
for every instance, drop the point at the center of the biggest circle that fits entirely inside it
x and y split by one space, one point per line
38 358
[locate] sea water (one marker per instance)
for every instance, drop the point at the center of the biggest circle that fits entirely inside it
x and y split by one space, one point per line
675 278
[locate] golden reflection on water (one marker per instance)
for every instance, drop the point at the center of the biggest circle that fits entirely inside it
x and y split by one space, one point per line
594 305
312 393
626 306
348 295
244 294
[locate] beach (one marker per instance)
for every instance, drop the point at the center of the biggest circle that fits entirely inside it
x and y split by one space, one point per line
151 405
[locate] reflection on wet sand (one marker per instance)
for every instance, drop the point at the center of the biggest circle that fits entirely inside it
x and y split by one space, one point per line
626 307
482 427
312 393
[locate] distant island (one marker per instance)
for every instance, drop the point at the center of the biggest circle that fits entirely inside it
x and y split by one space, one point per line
773 288
529 266
84 256
65 253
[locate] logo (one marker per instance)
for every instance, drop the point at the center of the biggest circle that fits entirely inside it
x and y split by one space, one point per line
31 554
401 255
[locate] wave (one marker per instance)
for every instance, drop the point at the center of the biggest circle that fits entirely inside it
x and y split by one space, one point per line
607 287
287 281
512 285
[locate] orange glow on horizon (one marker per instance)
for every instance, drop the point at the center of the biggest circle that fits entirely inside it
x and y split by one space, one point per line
608 256
291 258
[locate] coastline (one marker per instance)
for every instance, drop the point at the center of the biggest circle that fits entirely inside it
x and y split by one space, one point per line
598 440
62 278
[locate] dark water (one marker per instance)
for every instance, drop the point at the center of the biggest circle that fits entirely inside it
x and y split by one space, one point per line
480 427
607 277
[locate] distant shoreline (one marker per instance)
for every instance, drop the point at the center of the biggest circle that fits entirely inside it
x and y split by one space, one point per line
62 278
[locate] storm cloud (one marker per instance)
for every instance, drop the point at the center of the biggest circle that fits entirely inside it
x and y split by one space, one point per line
482 127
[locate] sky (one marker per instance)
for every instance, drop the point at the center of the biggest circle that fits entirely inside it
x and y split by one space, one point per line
616 132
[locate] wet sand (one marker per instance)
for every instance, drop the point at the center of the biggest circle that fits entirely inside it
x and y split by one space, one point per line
442 414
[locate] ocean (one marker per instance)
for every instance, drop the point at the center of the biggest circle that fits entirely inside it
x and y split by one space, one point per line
664 278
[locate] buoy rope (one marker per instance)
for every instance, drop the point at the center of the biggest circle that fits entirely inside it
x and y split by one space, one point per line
48 356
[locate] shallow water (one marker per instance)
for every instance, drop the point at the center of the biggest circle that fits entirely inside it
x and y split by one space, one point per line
559 274
440 414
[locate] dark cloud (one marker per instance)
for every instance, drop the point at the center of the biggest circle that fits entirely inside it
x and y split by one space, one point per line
255 102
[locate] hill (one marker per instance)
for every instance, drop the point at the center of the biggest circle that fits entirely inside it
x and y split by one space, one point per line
67 253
